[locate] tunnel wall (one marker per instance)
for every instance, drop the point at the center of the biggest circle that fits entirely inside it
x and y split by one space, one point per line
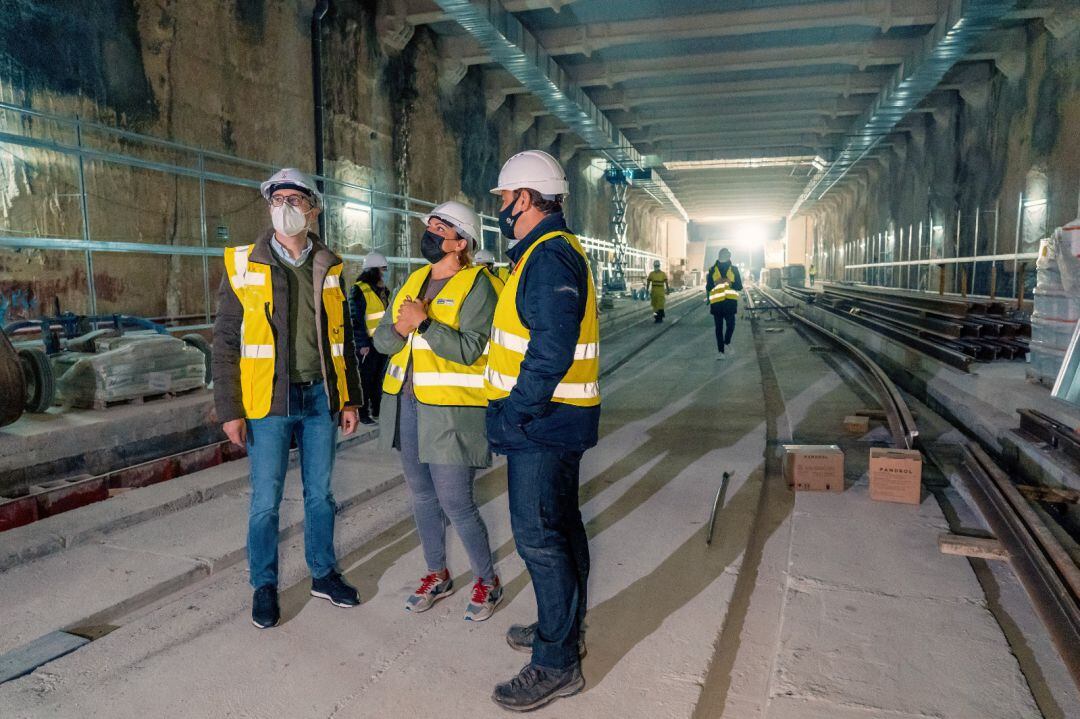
974 154
235 77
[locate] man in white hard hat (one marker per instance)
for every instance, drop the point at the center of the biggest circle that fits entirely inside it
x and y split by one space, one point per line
284 367
544 409
368 299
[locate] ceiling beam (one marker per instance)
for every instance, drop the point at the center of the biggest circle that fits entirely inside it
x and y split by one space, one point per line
854 54
586 39
842 84
428 12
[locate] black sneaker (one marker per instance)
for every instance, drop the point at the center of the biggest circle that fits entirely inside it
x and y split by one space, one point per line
337 590
366 419
265 612
520 638
535 686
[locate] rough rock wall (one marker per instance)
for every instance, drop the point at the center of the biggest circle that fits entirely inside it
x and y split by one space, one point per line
973 155
235 77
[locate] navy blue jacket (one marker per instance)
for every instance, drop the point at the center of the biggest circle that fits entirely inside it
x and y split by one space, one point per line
551 301
724 306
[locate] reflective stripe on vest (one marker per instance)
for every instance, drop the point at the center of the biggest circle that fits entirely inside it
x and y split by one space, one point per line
374 307
252 283
722 289
436 380
510 341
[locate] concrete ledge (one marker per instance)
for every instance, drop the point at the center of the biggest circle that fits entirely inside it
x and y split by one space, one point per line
131 568
95 521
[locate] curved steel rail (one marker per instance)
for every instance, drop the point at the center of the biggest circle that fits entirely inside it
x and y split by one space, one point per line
901 423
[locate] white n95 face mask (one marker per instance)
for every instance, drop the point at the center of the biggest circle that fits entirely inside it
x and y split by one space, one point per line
288 220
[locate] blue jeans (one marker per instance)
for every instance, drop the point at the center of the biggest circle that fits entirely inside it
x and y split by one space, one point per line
551 539
314 426
438 492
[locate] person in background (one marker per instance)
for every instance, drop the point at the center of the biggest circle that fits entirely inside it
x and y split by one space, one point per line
436 334
543 385
487 259
367 300
812 273
284 369
658 289
722 287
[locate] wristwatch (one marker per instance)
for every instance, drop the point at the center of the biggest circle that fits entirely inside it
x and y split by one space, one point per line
423 326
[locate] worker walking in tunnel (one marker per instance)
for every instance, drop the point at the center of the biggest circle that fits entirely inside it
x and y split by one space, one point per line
722 287
812 273
284 369
436 334
658 289
543 384
367 302
487 259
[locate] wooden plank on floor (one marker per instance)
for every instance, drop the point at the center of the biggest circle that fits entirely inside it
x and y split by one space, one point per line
981 547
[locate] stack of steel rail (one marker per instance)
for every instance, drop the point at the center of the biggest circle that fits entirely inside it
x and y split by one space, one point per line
954 330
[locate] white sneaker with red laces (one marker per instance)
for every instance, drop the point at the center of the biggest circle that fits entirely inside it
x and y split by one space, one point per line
485 597
432 588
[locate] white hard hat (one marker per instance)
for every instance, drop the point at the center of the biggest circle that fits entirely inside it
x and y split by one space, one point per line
460 215
291 177
484 257
535 170
374 259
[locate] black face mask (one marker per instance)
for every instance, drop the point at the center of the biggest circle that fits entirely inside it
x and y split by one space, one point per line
508 220
431 247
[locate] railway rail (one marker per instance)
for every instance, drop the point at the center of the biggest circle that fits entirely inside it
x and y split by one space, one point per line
1047 571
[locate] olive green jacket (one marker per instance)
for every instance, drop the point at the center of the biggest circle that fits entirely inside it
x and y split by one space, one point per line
448 435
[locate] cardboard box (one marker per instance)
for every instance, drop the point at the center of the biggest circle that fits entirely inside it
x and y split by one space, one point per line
814 467
895 475
857 424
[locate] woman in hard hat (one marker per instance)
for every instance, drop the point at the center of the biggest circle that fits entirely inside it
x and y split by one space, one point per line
367 302
435 333
658 289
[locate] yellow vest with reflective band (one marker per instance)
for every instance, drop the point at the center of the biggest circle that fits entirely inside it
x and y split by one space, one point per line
656 279
252 284
497 282
374 307
722 289
503 273
580 385
436 380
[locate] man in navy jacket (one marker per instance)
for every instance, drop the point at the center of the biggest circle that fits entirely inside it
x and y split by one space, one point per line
543 419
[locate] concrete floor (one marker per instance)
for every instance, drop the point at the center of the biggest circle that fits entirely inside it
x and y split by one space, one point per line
807 605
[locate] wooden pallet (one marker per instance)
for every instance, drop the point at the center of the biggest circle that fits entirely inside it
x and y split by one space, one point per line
140 399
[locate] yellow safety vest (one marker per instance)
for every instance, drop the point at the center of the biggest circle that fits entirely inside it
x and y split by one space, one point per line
251 281
437 381
374 307
656 279
722 289
510 340
497 282
503 273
